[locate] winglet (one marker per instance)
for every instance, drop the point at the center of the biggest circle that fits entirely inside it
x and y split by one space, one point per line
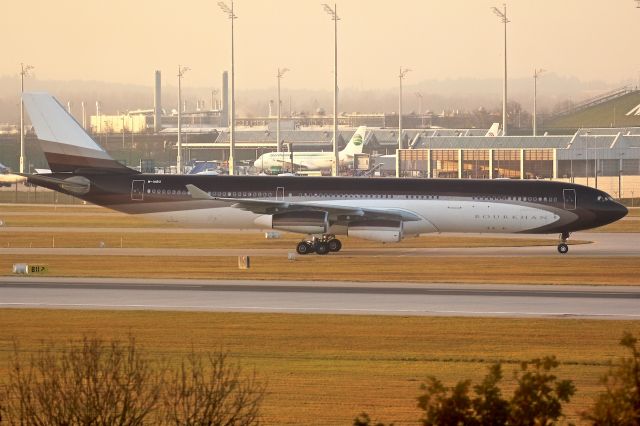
198 194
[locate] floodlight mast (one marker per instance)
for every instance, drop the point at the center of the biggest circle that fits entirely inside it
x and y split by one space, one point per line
232 125
280 74
333 13
401 76
503 18
181 71
536 74
24 71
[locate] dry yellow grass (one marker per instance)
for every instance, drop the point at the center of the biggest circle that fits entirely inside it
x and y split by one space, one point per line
51 208
620 226
325 369
130 239
523 270
85 221
634 211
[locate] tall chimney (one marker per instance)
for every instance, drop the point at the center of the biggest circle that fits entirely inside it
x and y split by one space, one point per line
157 103
224 113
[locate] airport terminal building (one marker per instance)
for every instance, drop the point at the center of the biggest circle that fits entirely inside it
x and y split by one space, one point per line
608 158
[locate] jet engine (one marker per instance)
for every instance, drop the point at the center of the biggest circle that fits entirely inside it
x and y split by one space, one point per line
386 231
303 222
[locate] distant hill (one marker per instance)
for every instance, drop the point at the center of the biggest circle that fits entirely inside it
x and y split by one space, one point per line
623 111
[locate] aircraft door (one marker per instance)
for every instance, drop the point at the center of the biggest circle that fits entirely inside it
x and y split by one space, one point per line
569 196
280 193
137 190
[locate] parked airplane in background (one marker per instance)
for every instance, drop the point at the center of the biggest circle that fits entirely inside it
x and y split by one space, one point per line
321 208
494 130
308 161
7 178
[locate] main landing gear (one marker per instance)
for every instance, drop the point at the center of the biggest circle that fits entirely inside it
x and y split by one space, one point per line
563 248
319 245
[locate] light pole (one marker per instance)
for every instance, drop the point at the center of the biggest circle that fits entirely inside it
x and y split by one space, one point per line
586 156
503 17
536 74
333 13
401 76
620 168
99 124
595 159
232 125
214 102
24 71
278 140
84 116
181 71
419 96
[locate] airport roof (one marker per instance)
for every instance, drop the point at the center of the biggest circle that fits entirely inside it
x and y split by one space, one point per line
620 110
296 136
499 142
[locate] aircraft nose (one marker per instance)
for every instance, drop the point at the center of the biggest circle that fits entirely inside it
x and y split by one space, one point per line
620 211
613 212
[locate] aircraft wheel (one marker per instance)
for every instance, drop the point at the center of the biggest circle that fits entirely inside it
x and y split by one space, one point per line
322 248
563 248
303 248
335 245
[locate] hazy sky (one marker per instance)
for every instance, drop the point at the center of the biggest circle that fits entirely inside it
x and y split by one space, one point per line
126 40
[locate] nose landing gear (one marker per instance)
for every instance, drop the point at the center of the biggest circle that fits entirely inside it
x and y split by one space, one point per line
563 248
319 245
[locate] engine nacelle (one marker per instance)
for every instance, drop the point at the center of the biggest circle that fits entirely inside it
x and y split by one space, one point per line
386 231
302 222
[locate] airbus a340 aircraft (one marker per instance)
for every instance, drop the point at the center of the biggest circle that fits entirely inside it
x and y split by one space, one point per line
312 160
321 208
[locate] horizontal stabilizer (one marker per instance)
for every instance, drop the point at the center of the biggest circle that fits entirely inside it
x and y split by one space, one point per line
75 184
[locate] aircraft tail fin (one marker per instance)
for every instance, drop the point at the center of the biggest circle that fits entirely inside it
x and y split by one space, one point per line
67 147
494 130
357 142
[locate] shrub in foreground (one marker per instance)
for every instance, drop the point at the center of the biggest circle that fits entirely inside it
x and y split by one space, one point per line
93 382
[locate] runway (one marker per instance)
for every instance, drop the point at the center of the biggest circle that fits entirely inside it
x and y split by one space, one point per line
603 245
323 297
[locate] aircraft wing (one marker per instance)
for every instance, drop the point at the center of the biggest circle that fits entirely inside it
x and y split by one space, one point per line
288 163
336 213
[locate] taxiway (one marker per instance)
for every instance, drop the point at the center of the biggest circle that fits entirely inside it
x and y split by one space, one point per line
603 302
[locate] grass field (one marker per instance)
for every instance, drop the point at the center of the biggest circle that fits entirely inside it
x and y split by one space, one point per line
325 369
524 270
15 238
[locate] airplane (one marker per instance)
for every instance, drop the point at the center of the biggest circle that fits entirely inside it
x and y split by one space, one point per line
309 161
494 130
7 178
320 208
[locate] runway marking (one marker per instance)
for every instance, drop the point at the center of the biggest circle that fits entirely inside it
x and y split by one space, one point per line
363 310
